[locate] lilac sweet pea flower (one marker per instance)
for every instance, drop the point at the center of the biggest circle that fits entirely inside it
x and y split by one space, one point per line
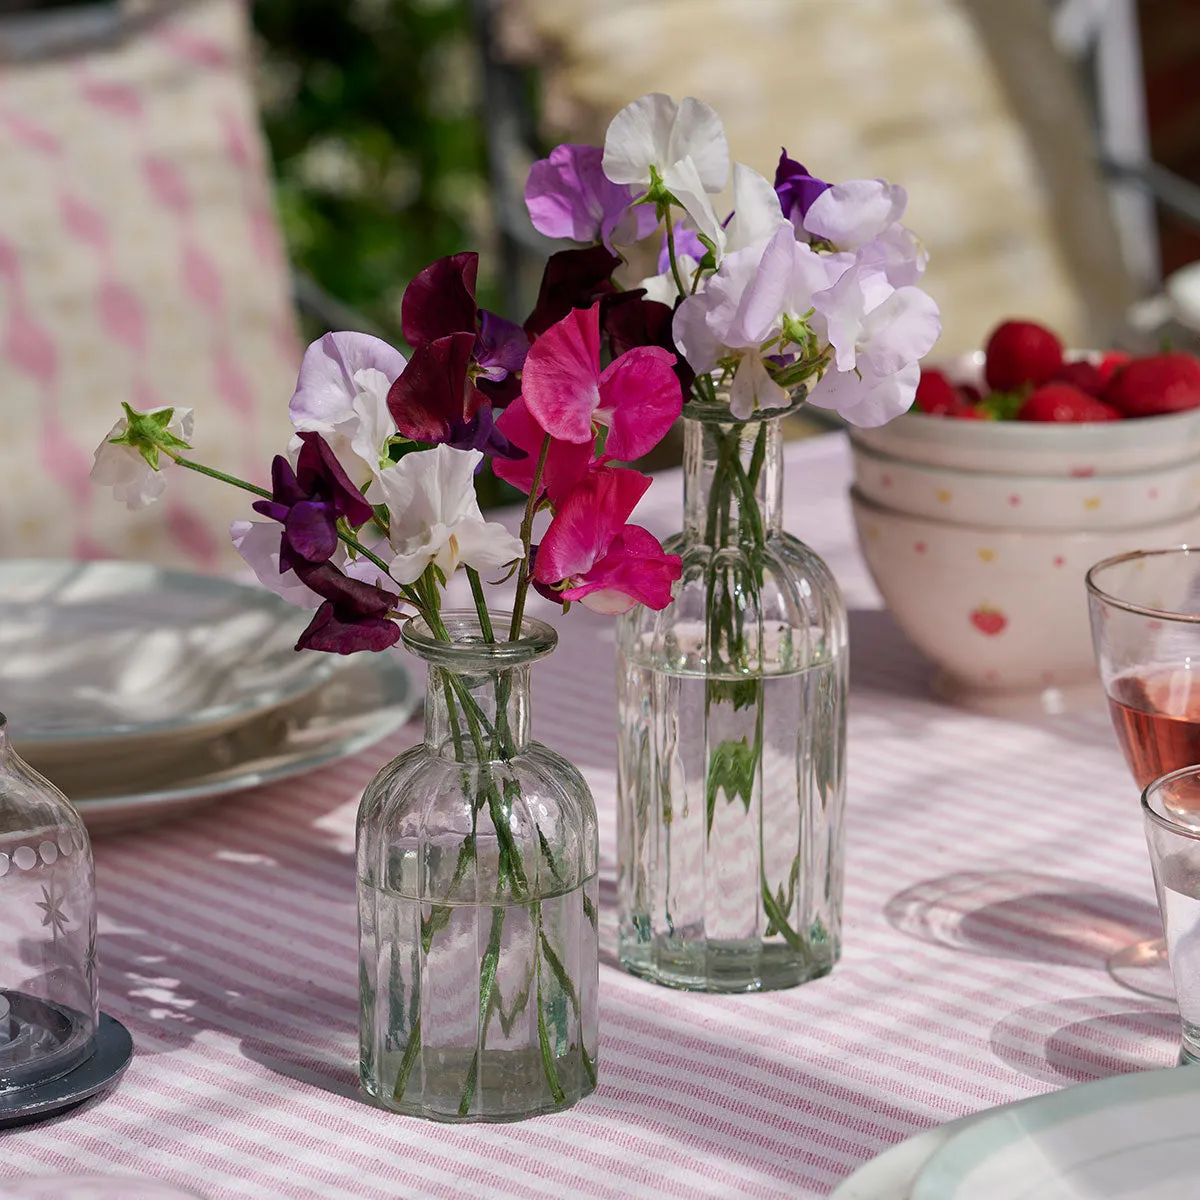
308 501
863 216
569 196
877 333
796 189
341 393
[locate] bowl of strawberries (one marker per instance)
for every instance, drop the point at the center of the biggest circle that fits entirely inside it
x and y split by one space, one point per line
1021 465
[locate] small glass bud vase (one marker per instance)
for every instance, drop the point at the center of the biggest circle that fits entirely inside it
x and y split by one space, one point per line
732 735
48 1012
477 862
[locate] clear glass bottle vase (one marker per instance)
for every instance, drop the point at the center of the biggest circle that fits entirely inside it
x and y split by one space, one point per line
477 884
731 774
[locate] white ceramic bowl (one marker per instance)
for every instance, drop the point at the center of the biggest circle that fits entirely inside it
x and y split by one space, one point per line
1002 612
1028 501
1031 447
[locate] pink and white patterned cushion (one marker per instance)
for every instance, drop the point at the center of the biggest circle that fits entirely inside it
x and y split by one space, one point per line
140 261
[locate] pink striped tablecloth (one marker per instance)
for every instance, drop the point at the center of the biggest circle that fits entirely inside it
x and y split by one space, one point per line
991 867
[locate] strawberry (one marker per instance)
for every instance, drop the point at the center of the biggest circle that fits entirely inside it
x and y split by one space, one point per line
1163 383
1110 362
1083 375
1062 402
1020 352
936 395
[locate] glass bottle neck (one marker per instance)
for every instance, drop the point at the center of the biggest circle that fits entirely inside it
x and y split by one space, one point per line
732 480
477 716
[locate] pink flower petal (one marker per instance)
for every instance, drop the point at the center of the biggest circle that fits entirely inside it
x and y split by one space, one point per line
566 464
561 379
587 521
640 399
635 570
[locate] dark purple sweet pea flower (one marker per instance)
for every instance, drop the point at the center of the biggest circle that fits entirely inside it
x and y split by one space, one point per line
575 279
687 241
440 303
435 399
569 196
353 616
308 501
642 322
796 189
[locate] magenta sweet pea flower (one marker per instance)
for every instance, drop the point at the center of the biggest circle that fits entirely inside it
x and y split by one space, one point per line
796 189
591 555
569 196
353 614
566 462
308 501
637 396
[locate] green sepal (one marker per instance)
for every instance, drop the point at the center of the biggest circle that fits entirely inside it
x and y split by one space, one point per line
147 433
1002 406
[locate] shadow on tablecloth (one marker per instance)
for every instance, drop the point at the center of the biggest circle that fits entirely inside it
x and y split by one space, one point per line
1023 915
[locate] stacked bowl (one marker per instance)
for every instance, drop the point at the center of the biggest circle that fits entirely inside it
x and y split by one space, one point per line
979 533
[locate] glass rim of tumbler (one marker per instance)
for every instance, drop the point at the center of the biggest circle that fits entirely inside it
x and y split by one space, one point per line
1152 805
1095 591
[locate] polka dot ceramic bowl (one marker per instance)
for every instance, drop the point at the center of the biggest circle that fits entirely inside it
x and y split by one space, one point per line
1028 501
1002 612
1034 448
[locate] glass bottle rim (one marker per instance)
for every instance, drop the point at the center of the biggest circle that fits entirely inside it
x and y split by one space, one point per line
696 409
1152 804
468 649
1141 610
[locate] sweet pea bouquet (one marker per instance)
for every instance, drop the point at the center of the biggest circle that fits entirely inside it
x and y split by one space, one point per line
804 288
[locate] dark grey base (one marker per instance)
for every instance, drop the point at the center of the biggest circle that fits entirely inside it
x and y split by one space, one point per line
111 1052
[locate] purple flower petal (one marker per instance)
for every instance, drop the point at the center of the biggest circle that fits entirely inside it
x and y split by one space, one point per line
440 300
796 188
319 472
572 279
687 241
435 392
501 346
311 529
333 633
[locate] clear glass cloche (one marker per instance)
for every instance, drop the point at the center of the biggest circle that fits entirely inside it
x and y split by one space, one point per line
48 1011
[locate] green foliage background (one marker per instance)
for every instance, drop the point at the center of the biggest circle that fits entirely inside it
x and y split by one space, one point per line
371 109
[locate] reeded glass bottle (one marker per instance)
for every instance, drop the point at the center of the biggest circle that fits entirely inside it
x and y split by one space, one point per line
477 861
732 736
48 996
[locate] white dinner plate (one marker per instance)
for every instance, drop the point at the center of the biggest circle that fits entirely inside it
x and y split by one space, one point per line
890 1175
97 657
1136 1137
372 696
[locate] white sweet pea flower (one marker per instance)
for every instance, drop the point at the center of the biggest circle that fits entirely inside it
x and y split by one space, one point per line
341 393
657 132
878 333
756 210
128 458
435 518
683 144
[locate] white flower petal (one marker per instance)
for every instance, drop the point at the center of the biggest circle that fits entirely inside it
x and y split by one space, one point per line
754 389
486 545
697 133
325 388
899 331
756 211
662 287
638 138
683 181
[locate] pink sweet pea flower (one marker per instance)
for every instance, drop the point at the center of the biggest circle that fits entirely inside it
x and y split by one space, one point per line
566 462
591 555
637 396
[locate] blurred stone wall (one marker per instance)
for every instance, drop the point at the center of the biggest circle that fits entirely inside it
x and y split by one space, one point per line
918 91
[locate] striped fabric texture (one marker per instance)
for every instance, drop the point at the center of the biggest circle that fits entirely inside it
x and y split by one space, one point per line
992 866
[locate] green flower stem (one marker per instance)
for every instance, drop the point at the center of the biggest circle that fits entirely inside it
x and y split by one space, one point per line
212 473
531 506
671 251
485 618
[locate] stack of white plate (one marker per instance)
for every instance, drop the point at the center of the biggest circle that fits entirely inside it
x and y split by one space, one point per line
141 691
1136 1137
